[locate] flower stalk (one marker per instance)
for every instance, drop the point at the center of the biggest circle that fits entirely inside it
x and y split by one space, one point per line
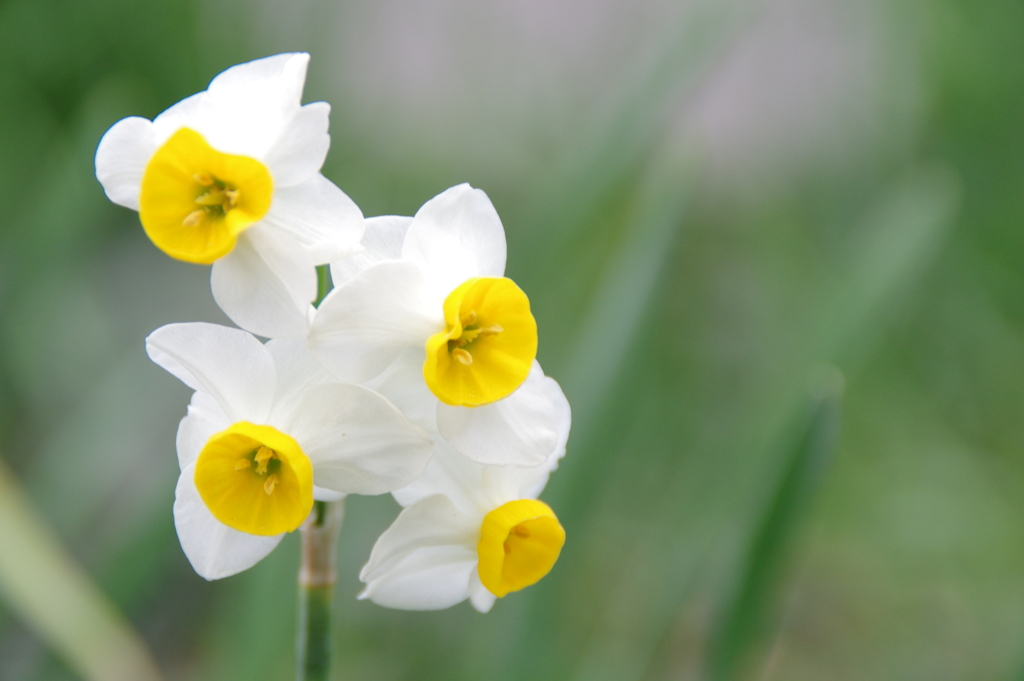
316 590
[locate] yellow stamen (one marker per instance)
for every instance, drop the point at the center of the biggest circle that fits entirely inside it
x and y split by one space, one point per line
462 356
214 197
242 464
262 458
193 218
468 319
203 179
270 484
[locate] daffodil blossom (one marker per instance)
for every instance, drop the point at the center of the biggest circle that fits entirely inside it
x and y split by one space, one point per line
231 176
267 432
467 531
424 315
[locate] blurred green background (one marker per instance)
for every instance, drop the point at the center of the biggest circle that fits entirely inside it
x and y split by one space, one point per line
715 206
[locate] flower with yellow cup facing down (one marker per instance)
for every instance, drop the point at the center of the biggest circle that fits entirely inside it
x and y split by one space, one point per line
425 315
231 177
467 531
267 432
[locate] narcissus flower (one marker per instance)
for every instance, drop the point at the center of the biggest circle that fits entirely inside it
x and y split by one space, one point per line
426 316
267 432
231 176
467 531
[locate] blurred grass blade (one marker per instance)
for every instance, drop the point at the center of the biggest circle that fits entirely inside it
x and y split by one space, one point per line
749 624
626 286
42 584
895 242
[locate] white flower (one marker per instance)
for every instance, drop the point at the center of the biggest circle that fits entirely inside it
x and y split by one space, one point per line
424 315
467 531
267 432
231 176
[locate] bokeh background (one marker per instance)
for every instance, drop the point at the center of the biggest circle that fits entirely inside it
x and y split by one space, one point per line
739 221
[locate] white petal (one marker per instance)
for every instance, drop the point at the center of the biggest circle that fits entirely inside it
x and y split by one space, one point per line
246 109
402 383
266 284
357 441
453 475
279 77
513 482
319 216
198 112
299 152
121 159
364 325
214 549
205 417
482 599
229 365
425 560
382 240
297 374
520 430
255 104
455 236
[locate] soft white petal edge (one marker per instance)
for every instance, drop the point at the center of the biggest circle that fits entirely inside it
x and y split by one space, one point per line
266 284
121 159
229 365
319 216
299 153
455 236
481 599
204 419
214 549
425 560
520 430
357 441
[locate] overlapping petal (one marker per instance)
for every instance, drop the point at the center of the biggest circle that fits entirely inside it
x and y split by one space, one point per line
205 417
267 284
229 365
319 216
520 430
362 326
382 240
300 150
425 560
357 441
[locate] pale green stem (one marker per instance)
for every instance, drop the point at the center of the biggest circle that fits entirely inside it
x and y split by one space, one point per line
316 590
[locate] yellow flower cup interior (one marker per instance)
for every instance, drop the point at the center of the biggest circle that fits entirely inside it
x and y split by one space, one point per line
488 347
519 544
195 201
255 479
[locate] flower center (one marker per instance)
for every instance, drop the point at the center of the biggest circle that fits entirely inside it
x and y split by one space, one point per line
194 200
255 479
488 346
519 544
214 203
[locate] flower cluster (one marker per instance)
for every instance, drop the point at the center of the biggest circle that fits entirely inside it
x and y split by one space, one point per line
416 375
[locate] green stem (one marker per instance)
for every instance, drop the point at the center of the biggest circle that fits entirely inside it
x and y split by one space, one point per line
324 284
316 590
